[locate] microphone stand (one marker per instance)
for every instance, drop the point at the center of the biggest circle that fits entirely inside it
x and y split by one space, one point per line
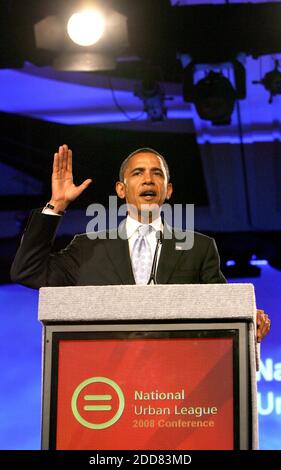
152 278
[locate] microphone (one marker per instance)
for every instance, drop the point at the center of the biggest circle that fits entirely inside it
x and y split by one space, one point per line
159 237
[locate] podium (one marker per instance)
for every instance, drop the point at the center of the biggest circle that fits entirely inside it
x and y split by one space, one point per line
149 367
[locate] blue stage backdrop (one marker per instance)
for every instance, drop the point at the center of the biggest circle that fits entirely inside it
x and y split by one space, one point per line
20 392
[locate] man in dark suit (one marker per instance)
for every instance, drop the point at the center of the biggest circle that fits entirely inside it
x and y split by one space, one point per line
144 185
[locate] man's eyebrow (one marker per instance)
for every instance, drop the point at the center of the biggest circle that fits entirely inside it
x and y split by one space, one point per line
140 168
157 168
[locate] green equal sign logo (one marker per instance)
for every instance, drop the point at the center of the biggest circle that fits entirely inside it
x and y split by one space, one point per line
91 422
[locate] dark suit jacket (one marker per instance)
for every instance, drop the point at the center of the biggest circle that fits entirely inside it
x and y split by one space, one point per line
105 261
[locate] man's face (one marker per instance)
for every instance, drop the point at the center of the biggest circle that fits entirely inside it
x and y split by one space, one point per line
145 185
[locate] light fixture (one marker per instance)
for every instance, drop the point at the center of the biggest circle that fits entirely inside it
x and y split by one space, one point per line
214 95
271 82
89 40
214 98
153 98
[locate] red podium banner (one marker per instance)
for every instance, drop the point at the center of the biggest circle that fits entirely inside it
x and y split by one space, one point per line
145 393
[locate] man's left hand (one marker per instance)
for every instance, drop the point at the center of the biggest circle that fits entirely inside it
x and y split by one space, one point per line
263 325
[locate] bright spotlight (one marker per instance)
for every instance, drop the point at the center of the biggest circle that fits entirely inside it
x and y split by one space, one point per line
86 27
103 34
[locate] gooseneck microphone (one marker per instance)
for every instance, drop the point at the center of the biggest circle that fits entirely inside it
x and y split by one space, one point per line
159 237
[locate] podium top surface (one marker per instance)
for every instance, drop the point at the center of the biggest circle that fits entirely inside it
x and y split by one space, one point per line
154 302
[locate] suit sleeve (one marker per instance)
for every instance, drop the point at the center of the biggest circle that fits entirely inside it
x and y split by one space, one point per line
210 270
34 265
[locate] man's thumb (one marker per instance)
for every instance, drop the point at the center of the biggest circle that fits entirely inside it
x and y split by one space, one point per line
84 185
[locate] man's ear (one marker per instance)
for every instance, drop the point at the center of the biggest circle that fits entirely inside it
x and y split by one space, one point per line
169 191
120 189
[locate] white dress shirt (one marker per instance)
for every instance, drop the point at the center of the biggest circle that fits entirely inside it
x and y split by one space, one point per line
48 211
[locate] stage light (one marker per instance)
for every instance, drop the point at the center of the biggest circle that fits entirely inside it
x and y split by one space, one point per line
153 98
271 82
214 95
85 28
214 98
88 41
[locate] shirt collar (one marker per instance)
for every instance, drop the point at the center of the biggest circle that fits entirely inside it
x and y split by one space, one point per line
133 224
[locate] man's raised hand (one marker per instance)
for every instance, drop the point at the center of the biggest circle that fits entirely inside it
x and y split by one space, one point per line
64 190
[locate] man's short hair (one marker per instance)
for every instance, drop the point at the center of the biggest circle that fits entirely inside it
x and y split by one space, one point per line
141 150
